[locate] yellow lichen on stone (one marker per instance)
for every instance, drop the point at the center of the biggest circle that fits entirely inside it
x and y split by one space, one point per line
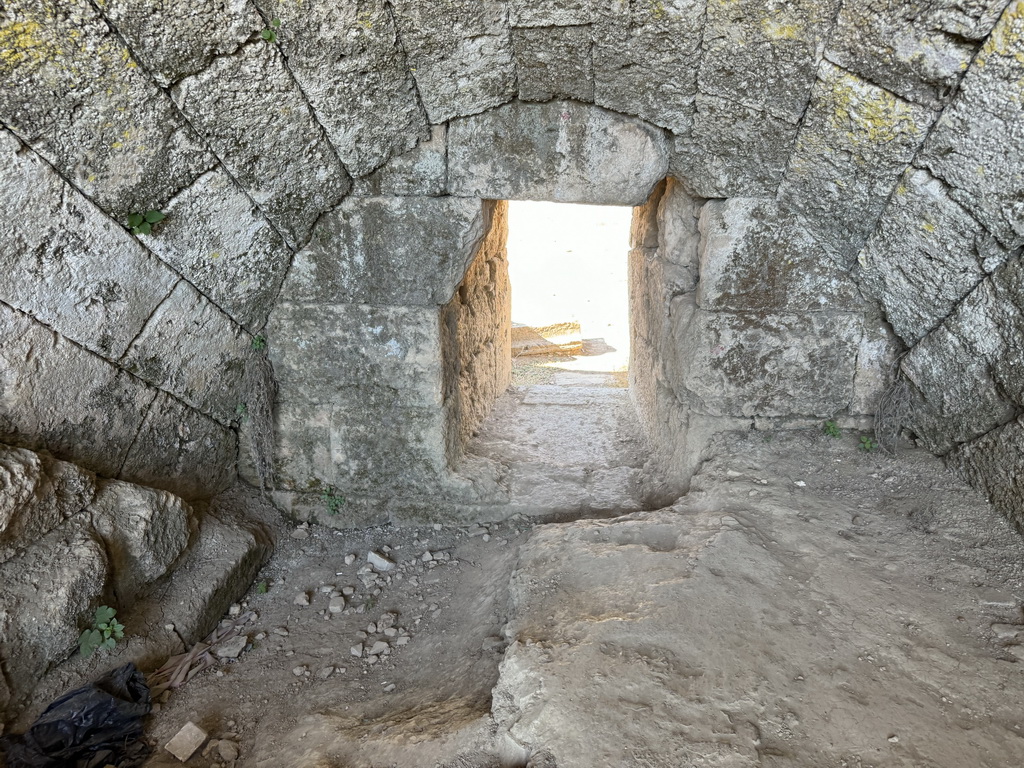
780 30
868 115
23 44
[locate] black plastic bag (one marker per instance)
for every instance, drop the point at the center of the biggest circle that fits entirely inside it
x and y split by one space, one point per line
90 727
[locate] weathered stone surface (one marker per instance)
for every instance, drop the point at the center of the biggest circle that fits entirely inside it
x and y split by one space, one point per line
47 596
218 242
994 463
302 452
99 119
637 44
550 13
918 50
758 258
770 365
384 251
351 355
144 532
259 123
193 350
554 63
80 274
762 55
975 146
460 53
734 150
561 151
181 451
37 493
855 142
925 256
350 64
172 44
877 359
57 396
422 170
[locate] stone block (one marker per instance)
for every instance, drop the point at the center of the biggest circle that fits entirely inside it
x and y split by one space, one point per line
975 147
56 395
640 44
193 350
734 150
918 50
926 254
47 596
855 143
144 532
756 257
421 171
764 55
877 358
349 61
994 463
221 244
554 63
551 13
748 365
460 53
181 451
186 741
173 44
256 118
80 273
561 151
100 120
37 494
357 355
302 449
387 251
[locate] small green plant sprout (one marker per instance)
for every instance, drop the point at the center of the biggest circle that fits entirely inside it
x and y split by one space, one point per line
241 411
259 343
142 223
830 429
867 443
262 588
270 33
334 501
104 633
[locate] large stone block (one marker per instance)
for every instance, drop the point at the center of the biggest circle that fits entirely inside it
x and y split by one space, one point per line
733 151
756 257
646 57
994 463
421 171
918 50
975 147
460 53
56 395
388 250
221 244
925 256
47 596
65 263
355 355
561 151
764 55
349 61
181 451
302 448
256 118
144 532
554 63
855 143
193 350
174 44
766 365
99 119
37 494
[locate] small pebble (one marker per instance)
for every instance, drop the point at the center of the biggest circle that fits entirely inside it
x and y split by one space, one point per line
349 559
301 599
324 673
227 750
356 650
283 631
299 671
337 604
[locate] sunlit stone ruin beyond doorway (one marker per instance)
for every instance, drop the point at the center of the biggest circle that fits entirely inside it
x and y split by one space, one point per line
281 385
